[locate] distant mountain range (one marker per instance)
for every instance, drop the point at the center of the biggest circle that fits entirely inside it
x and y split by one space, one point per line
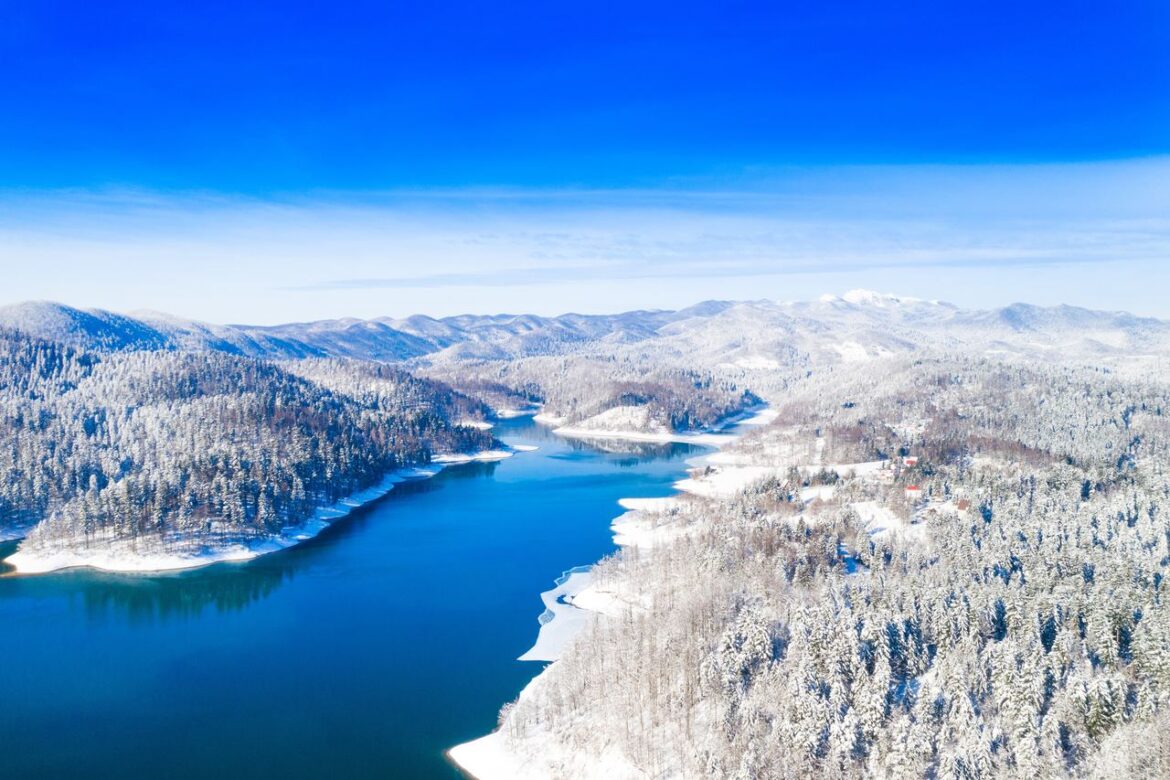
752 335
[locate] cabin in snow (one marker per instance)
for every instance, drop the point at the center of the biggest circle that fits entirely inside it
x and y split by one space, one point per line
913 491
911 461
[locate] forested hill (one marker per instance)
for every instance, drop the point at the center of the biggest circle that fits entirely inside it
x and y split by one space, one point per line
755 336
924 568
175 450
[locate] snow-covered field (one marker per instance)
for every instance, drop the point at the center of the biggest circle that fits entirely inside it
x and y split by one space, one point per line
881 521
128 555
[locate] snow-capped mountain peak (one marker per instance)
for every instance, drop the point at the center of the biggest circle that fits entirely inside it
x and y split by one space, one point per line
860 297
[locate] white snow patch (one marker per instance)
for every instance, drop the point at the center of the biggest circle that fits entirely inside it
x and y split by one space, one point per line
561 621
881 521
851 352
726 481
644 530
756 363
649 504
550 419
604 602
488 758
459 457
869 468
870 298
817 492
761 417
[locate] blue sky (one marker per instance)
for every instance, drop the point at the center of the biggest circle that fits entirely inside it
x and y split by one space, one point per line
277 161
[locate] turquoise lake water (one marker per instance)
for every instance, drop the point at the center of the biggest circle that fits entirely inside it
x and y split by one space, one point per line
363 653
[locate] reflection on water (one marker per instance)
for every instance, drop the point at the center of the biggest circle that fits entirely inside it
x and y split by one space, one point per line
635 452
144 600
222 587
472 470
148 598
6 549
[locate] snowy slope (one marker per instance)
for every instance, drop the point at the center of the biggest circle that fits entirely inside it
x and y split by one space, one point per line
748 336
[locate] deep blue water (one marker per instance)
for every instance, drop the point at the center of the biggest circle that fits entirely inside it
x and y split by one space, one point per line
366 652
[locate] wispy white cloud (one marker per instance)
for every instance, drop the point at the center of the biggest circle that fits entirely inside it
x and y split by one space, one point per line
974 234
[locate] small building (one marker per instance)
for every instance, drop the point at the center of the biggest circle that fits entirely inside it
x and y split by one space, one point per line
910 460
963 504
913 491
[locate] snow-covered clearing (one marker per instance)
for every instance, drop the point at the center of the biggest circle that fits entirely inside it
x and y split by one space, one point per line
756 363
851 351
882 521
817 493
867 470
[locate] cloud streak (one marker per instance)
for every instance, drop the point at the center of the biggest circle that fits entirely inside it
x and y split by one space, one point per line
514 277
1076 231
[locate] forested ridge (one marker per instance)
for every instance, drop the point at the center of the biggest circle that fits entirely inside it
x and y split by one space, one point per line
574 388
996 606
177 449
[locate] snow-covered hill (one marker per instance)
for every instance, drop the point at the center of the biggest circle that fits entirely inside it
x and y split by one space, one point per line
92 328
749 335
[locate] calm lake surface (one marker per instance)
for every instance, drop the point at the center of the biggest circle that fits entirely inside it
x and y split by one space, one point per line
365 652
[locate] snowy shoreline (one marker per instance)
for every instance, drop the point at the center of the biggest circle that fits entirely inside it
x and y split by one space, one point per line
125 557
575 601
561 620
713 438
